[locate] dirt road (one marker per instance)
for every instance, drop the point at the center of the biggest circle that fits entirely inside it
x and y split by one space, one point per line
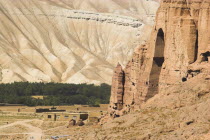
34 133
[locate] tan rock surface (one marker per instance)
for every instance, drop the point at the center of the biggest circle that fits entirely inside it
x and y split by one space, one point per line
177 51
72 41
181 113
116 100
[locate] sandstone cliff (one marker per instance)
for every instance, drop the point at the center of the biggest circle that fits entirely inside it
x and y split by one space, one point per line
72 41
178 51
166 90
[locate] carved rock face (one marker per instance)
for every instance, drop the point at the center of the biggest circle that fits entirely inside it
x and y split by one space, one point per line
177 51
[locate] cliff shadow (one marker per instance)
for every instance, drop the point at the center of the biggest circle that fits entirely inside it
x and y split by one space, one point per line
157 63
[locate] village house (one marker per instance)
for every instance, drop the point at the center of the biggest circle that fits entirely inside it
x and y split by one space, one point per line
64 116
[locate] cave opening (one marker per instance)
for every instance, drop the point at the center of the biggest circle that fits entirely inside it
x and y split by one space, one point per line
184 79
193 49
205 56
196 47
157 63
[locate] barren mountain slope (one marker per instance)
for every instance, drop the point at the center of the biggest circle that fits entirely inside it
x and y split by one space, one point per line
72 41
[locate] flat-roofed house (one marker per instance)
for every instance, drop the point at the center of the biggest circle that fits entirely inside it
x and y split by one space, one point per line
64 116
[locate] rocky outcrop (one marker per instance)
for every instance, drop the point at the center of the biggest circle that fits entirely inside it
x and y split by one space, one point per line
116 100
70 41
107 18
178 51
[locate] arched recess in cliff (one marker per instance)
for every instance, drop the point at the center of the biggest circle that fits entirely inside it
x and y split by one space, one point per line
196 47
193 49
158 61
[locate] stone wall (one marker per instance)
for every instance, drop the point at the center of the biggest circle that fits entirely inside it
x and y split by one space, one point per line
178 50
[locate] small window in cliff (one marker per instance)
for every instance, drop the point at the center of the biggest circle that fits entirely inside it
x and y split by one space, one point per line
116 116
184 79
205 56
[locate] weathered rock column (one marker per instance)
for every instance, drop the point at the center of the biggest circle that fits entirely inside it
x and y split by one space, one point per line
117 91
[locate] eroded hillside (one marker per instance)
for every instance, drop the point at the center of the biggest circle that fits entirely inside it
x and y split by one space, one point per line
70 41
181 113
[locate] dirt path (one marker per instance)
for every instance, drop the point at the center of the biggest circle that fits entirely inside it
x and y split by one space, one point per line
34 134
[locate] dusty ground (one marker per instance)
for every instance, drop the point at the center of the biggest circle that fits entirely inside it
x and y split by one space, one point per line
36 129
30 126
21 128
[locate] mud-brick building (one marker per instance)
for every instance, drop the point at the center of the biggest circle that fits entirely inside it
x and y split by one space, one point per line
64 116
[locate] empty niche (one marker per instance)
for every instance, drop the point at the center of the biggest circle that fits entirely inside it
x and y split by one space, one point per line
158 61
